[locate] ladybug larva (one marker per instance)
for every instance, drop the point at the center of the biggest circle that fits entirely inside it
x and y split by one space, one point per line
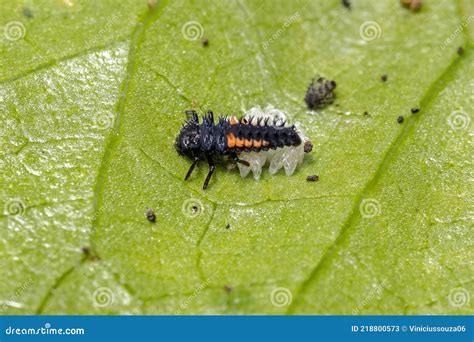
250 141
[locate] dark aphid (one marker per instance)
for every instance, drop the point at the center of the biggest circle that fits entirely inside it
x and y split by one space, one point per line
228 288
320 93
415 110
150 215
227 226
400 119
366 113
460 50
346 4
308 146
205 42
229 137
384 78
312 178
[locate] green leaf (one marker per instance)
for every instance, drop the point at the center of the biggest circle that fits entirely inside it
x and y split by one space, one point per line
92 96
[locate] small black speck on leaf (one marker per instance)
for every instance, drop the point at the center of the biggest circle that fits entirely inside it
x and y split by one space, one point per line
150 215
27 12
346 4
228 288
205 42
320 93
415 110
384 78
312 178
366 113
400 119
227 226
460 50
308 146
88 253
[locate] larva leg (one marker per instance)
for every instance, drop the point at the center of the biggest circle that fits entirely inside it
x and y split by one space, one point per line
212 167
238 160
191 168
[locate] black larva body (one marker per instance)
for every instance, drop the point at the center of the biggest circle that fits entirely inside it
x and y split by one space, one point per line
231 136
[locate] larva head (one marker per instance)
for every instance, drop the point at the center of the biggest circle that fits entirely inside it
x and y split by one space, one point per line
188 142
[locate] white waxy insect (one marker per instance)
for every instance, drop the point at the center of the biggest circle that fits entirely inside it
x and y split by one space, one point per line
287 157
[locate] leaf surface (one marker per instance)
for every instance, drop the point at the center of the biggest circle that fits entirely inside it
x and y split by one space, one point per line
92 97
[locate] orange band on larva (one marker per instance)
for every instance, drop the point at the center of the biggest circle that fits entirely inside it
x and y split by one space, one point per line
257 143
248 143
239 142
230 140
